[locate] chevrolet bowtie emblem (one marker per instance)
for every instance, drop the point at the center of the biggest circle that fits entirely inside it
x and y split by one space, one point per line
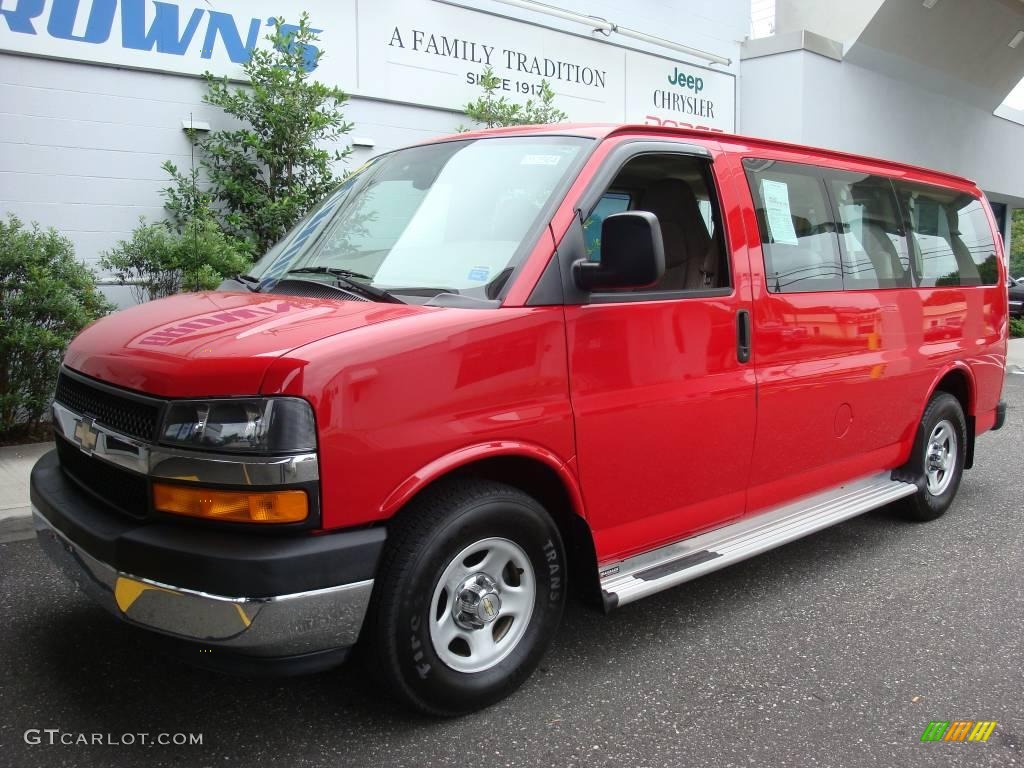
86 434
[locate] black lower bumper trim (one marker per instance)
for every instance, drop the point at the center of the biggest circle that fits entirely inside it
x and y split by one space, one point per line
226 662
215 561
1000 415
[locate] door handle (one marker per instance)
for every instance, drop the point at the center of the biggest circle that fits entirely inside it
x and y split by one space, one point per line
743 336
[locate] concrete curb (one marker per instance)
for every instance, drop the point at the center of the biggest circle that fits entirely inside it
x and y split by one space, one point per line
16 525
16 462
1015 356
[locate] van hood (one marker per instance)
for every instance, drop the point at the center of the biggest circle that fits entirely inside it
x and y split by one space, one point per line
213 344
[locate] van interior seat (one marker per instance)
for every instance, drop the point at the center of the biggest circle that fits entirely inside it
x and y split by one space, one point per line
683 232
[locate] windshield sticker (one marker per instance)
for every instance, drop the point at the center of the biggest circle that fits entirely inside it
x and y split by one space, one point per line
541 160
479 274
777 213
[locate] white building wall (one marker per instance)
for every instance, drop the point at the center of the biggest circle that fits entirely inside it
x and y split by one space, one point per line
81 144
842 21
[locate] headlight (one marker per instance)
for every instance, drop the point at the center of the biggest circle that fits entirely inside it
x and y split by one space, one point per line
246 425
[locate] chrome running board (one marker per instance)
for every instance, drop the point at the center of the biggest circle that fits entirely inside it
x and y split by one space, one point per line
667 566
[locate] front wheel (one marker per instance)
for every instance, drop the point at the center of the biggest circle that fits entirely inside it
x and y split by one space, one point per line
938 461
470 592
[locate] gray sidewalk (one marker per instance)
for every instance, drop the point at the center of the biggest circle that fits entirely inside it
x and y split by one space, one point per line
1015 356
15 508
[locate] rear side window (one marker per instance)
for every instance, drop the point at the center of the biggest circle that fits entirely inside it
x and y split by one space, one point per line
801 252
871 237
951 241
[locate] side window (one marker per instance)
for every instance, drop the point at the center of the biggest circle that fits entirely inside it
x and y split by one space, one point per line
871 237
952 242
678 190
801 252
611 202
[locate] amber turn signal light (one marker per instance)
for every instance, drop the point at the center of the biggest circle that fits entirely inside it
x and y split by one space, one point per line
233 506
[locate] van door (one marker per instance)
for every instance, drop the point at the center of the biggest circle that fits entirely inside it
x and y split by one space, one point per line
829 260
664 405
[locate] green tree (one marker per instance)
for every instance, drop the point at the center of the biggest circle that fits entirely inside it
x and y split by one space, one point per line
159 261
266 174
491 111
186 199
1017 244
46 297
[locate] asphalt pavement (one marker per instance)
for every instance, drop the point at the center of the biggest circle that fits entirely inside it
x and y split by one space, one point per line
836 650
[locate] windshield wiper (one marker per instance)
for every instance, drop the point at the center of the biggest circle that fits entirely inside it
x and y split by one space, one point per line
345 278
250 282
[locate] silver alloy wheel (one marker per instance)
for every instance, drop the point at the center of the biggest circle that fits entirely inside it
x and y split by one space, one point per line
482 605
940 458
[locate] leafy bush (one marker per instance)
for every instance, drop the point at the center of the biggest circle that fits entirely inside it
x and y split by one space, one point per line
490 111
268 174
185 199
1017 243
1017 327
159 261
46 298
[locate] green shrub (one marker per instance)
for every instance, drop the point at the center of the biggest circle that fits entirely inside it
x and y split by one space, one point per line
1017 327
1017 243
185 199
159 262
46 298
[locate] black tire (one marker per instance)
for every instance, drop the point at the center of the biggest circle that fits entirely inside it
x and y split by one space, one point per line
424 540
926 505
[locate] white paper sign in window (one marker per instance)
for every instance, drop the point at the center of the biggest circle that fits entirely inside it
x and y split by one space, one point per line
776 210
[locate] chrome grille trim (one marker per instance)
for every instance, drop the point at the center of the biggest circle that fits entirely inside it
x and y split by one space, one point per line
129 413
190 466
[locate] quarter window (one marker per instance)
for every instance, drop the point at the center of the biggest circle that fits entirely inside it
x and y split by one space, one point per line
951 239
801 252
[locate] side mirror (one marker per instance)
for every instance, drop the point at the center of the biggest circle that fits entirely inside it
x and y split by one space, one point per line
632 254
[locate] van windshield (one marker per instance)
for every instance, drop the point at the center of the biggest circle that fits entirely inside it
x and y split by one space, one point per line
453 217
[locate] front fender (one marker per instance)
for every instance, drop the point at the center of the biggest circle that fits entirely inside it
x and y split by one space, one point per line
462 457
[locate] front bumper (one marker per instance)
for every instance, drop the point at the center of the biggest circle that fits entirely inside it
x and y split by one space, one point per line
308 594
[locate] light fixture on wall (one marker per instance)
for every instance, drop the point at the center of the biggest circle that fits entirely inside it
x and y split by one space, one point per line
200 126
606 27
1017 38
929 4
362 141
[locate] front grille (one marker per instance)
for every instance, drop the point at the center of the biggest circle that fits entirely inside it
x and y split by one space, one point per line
121 413
125 490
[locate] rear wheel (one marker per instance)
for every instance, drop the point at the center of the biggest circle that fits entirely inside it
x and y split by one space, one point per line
938 461
470 592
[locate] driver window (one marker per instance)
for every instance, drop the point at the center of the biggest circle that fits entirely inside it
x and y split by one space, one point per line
676 189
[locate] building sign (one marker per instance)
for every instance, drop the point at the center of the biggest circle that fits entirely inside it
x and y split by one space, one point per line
428 52
672 93
188 36
413 51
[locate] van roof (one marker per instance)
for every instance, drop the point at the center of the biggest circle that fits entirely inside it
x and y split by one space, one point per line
606 130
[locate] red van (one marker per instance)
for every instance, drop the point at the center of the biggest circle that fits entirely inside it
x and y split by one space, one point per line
502 363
